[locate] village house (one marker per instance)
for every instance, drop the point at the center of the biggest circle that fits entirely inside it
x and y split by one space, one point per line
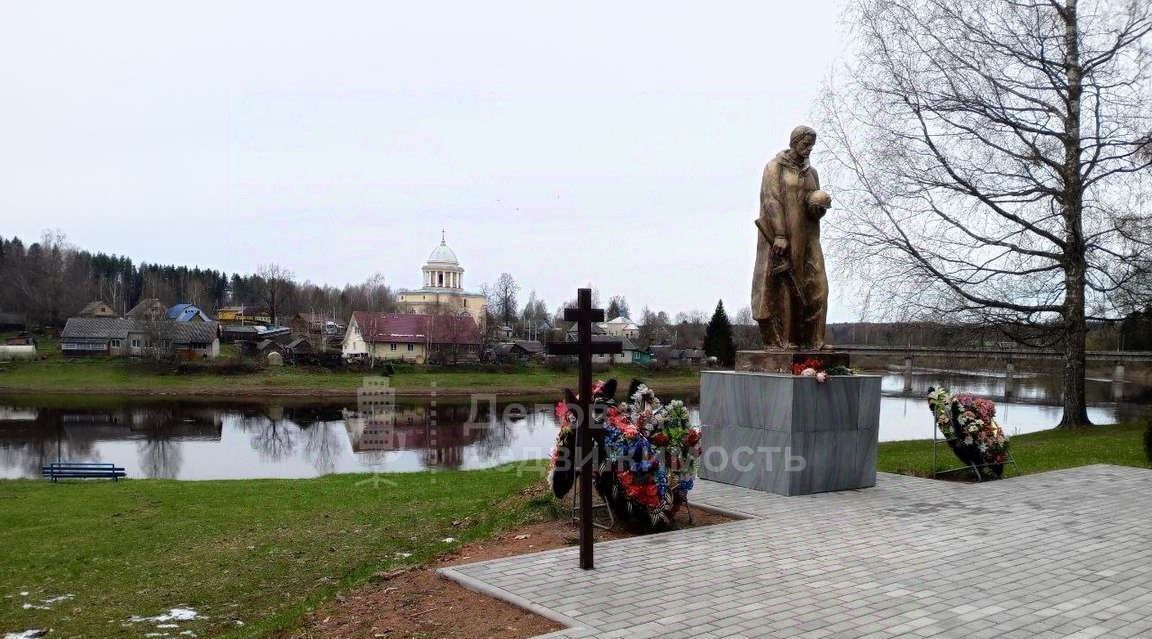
631 354
260 348
443 290
251 332
308 324
618 327
299 346
97 308
671 356
243 315
521 350
319 329
411 337
621 327
187 313
570 332
149 308
116 336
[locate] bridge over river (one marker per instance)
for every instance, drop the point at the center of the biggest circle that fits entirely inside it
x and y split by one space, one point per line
1008 357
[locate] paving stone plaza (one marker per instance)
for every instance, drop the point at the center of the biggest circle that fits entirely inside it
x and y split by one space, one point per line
1059 554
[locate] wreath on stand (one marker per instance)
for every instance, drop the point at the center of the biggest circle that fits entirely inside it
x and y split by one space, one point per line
645 454
968 423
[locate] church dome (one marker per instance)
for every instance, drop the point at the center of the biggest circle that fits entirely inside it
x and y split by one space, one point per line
443 255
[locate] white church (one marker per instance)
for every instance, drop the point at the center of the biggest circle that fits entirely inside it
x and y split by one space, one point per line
443 288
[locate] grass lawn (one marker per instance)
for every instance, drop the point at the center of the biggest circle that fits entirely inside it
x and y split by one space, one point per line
249 556
1120 444
112 375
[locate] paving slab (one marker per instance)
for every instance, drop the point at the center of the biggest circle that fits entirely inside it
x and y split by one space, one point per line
1060 554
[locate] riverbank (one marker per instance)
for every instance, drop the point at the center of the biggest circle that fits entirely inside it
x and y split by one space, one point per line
342 556
100 376
234 558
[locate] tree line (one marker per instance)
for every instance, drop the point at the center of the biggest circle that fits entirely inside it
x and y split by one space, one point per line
50 280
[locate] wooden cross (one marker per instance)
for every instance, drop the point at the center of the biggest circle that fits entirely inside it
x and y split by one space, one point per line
584 348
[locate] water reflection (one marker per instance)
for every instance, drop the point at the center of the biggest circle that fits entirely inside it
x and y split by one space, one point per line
225 440
193 440
322 442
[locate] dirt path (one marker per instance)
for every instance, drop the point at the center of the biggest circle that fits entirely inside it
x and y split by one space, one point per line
418 604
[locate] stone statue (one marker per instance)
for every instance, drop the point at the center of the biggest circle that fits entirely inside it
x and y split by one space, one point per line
789 285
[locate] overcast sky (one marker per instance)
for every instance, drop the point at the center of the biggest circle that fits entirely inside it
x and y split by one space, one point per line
617 143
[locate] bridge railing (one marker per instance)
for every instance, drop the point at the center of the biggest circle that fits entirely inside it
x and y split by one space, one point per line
998 353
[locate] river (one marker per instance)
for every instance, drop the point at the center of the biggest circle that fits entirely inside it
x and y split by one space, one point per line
194 440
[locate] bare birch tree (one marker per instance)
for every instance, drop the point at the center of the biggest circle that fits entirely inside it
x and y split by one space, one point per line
502 298
275 283
992 161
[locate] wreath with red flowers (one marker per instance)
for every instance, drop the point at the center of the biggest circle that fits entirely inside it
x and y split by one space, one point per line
646 454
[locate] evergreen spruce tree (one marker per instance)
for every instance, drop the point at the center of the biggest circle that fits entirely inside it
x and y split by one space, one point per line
718 341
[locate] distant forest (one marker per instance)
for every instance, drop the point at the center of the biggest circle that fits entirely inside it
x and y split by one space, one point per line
49 281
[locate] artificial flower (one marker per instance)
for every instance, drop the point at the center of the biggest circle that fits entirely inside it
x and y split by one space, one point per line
983 440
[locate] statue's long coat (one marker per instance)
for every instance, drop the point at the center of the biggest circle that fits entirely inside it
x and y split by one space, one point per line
784 211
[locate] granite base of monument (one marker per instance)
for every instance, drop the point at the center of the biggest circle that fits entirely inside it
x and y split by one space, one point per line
787 434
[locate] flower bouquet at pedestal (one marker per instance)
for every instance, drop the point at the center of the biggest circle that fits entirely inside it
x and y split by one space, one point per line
968 423
815 367
645 454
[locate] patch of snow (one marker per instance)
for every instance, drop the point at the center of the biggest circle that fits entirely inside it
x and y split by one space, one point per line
403 555
27 634
46 604
175 614
449 540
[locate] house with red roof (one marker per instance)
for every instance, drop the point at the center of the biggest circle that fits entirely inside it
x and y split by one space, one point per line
412 337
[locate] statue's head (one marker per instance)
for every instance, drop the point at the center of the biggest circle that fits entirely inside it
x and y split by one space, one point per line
802 140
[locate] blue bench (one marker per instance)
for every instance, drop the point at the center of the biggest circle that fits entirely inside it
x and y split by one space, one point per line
82 470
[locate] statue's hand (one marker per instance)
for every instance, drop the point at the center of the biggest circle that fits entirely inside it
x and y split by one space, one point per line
780 246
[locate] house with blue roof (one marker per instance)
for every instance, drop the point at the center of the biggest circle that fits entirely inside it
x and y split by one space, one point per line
187 313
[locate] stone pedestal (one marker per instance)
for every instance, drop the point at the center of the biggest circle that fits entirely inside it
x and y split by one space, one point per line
789 435
769 361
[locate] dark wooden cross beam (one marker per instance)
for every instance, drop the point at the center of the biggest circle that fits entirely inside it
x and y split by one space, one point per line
584 348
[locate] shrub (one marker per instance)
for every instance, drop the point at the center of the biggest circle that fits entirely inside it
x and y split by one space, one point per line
330 360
